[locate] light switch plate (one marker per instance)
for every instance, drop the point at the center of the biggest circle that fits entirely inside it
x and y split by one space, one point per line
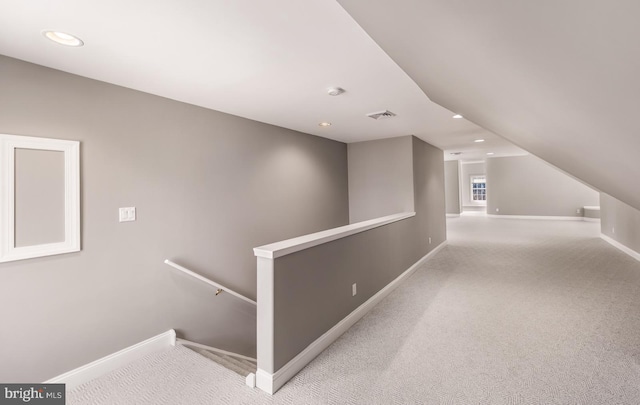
127 214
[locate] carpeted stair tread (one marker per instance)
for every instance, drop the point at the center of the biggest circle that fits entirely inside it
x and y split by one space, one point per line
224 362
242 363
248 363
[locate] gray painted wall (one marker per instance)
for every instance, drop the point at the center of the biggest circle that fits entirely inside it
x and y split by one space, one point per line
468 170
620 221
428 180
314 285
380 178
526 185
452 186
208 187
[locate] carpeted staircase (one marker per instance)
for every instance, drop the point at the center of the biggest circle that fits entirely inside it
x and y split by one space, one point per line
240 366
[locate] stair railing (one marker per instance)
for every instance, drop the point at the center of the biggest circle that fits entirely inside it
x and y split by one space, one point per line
220 287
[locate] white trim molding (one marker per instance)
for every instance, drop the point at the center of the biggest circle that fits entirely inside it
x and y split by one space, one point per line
250 380
588 219
265 323
453 215
115 360
620 246
71 149
591 213
271 382
541 217
285 247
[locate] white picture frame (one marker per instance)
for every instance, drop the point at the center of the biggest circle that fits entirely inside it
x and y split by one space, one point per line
71 243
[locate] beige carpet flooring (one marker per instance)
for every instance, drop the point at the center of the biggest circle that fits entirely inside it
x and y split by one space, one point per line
510 312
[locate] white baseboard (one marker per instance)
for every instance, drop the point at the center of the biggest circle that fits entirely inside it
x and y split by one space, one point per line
270 383
542 217
250 380
115 360
453 215
588 219
265 381
620 246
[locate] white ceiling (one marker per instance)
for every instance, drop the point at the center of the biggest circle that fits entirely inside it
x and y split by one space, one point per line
268 61
561 79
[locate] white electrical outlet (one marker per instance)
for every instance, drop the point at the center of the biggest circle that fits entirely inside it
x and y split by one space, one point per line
127 214
578 211
497 209
429 239
354 290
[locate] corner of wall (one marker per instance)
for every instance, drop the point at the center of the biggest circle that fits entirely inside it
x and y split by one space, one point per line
619 225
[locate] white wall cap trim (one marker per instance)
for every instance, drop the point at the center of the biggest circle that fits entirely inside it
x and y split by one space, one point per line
285 247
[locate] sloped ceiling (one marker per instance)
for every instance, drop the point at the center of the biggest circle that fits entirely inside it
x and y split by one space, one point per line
561 79
270 61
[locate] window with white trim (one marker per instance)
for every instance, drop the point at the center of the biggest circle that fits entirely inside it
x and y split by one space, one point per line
478 188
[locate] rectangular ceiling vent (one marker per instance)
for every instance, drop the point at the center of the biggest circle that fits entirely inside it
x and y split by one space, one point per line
381 115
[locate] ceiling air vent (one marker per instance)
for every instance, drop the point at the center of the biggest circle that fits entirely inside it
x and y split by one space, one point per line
456 153
381 115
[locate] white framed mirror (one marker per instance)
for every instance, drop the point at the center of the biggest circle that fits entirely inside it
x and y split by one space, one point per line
39 197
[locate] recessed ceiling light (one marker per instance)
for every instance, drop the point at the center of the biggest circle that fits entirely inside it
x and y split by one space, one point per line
458 116
489 153
325 124
63 38
478 140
